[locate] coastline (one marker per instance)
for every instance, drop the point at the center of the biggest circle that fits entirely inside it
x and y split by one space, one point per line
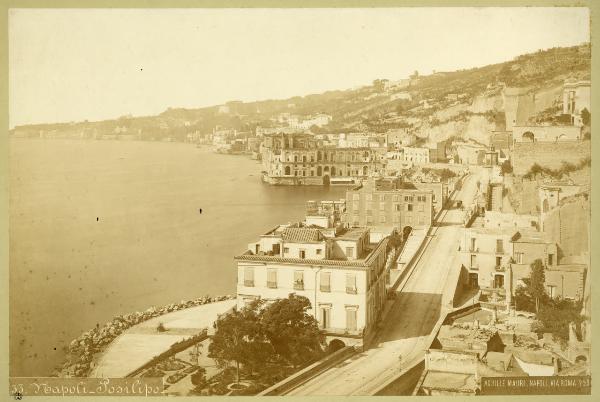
85 350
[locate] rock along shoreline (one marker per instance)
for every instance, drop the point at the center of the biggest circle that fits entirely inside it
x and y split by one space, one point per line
82 349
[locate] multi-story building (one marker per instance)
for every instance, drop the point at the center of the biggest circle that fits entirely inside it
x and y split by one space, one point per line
415 155
486 253
576 97
498 254
386 203
296 159
338 271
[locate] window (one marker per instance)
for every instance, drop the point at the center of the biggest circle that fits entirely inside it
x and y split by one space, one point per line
299 280
550 259
272 278
408 198
302 254
519 258
319 251
499 246
349 251
286 250
409 207
472 244
351 283
249 276
473 261
397 207
351 318
324 317
395 198
498 261
325 281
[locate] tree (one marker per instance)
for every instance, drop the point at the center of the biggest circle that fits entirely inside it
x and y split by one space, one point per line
506 167
199 380
536 285
239 339
293 333
586 117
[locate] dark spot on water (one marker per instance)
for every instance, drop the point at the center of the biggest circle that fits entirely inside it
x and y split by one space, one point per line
54 348
80 289
200 211
93 303
96 219
141 69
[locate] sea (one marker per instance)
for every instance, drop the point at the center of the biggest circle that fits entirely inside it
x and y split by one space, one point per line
103 228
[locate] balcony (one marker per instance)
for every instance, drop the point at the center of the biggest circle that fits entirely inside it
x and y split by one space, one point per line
299 285
325 288
499 250
474 249
500 268
272 285
351 291
249 283
474 267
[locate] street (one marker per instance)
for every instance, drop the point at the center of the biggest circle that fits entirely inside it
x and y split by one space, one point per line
402 340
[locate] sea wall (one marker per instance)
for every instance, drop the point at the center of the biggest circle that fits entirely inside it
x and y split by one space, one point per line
82 349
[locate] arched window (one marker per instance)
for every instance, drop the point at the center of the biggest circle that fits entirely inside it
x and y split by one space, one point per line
333 170
287 171
528 137
365 170
319 171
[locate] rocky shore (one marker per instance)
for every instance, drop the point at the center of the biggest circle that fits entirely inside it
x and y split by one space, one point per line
82 350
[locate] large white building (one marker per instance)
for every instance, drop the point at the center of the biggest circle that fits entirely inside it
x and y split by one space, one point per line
337 269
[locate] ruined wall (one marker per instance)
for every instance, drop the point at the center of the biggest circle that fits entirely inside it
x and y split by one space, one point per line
549 154
569 226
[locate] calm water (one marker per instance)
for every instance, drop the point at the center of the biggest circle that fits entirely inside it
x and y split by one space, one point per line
100 228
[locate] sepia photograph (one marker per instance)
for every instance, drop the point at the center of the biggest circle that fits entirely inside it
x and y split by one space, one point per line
367 201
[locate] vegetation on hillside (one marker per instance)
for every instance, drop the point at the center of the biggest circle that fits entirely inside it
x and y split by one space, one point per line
536 170
553 315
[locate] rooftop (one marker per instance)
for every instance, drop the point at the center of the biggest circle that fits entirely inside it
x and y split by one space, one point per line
302 235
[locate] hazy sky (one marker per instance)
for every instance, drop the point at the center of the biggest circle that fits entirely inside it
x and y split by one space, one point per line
71 65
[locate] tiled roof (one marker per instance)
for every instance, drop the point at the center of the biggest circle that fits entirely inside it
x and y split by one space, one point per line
362 263
268 258
302 235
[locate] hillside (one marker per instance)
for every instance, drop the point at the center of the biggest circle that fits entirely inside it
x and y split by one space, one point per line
466 103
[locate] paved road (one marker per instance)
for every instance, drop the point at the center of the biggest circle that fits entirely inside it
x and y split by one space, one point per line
403 339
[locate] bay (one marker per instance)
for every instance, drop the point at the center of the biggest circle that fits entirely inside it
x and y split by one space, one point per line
101 228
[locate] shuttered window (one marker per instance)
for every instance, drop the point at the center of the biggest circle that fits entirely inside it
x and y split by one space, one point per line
299 280
351 319
272 278
350 283
249 276
325 281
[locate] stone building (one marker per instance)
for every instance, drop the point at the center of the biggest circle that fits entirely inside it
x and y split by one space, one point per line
337 270
387 203
297 159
